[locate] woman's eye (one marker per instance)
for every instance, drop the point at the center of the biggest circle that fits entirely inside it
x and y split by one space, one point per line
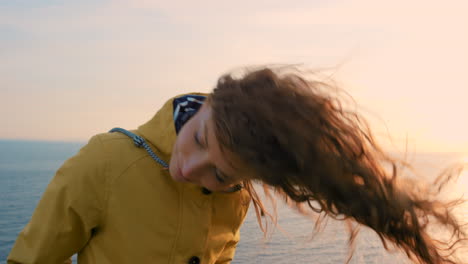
218 176
197 140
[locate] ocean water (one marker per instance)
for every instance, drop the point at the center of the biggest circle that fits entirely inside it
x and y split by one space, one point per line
26 167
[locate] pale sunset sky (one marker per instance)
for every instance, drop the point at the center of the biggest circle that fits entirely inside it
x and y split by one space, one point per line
72 69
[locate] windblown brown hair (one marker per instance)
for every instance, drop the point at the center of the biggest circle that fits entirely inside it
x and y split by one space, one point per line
298 138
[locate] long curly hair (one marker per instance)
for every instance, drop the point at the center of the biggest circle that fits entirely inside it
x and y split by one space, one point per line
299 139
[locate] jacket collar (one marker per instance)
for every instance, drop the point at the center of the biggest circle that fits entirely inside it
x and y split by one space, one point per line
160 131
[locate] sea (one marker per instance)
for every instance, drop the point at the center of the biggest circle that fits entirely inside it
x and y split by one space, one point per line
26 167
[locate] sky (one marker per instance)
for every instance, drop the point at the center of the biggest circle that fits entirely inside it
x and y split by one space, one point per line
72 69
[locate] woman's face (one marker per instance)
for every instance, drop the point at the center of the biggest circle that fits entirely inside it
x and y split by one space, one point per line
198 159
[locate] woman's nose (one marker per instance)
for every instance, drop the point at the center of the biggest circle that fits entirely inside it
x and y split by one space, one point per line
194 167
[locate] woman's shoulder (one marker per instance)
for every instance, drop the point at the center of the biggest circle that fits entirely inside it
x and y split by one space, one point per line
117 146
115 151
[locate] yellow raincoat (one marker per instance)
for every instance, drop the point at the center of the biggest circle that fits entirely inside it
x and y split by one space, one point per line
112 203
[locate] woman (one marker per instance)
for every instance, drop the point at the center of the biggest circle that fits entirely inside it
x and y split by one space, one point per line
116 203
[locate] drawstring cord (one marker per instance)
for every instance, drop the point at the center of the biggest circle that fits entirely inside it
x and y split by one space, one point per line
141 143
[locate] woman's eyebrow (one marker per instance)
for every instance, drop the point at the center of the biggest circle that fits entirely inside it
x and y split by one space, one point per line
205 133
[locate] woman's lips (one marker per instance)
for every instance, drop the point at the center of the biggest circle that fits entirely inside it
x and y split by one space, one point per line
181 175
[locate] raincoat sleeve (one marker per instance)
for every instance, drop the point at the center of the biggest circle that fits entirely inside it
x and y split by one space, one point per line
229 250
68 211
